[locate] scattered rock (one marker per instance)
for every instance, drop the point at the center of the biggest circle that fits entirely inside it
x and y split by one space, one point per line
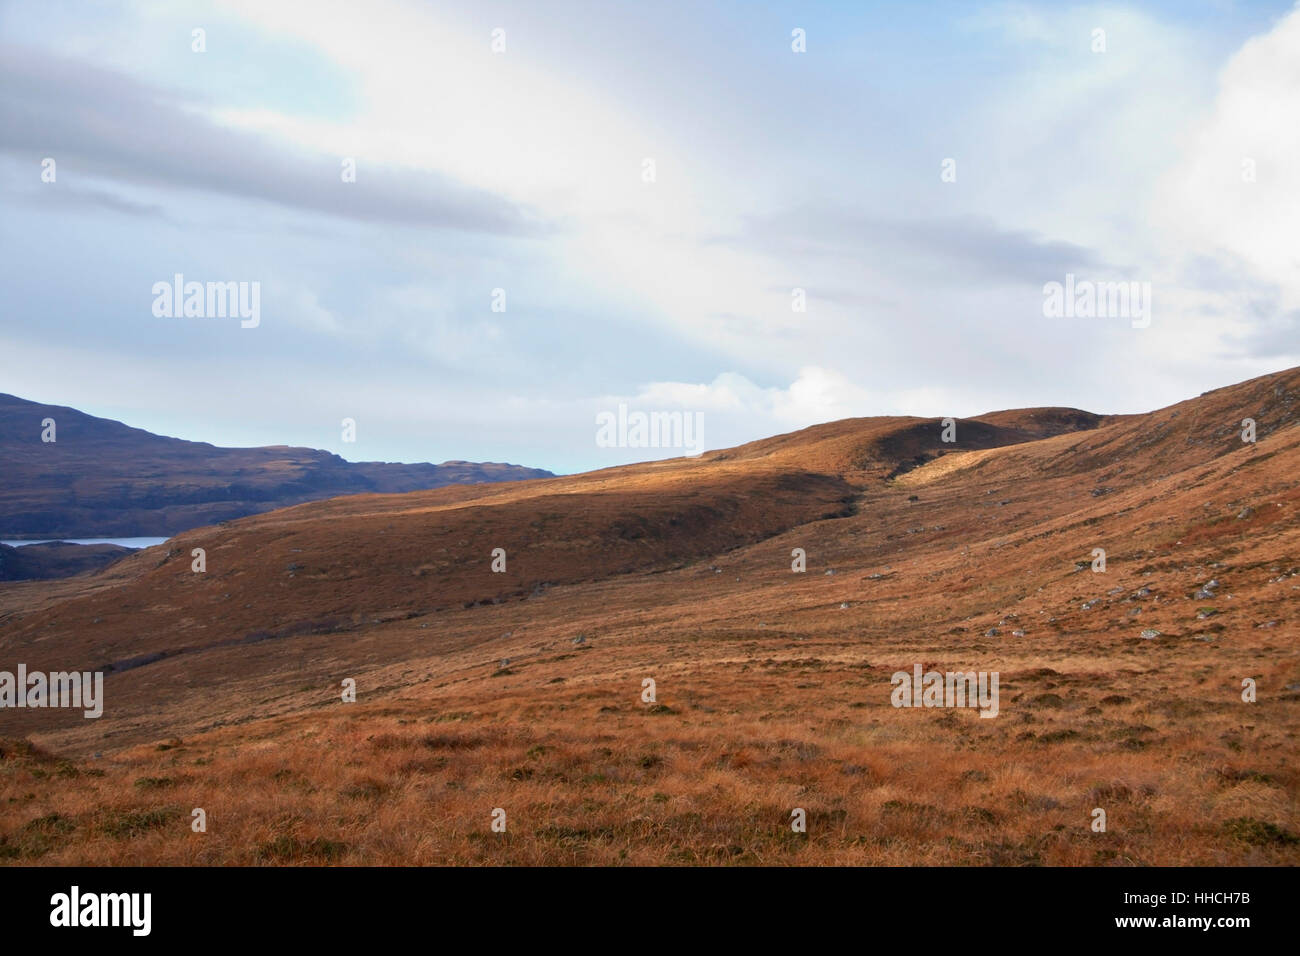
1150 634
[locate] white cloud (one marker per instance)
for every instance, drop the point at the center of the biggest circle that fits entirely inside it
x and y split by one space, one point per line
1205 207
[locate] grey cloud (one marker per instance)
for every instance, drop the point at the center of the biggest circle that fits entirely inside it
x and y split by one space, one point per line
75 197
1224 273
1274 338
109 125
1271 334
969 246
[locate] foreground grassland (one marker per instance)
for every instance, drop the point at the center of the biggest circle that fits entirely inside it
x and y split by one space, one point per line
1120 691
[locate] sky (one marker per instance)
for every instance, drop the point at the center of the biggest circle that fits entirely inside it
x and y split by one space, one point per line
562 208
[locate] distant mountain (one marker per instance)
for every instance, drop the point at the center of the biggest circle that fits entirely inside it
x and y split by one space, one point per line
56 559
101 478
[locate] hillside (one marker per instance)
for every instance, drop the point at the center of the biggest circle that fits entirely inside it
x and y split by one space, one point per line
101 478
55 559
1120 690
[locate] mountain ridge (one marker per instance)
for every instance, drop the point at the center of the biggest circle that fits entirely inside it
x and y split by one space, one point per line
103 478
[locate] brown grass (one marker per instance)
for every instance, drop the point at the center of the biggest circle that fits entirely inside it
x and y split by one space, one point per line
771 694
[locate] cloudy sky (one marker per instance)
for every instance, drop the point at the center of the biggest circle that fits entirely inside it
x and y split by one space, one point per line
524 168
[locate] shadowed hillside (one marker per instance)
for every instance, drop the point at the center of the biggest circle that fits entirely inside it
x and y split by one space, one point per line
55 559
